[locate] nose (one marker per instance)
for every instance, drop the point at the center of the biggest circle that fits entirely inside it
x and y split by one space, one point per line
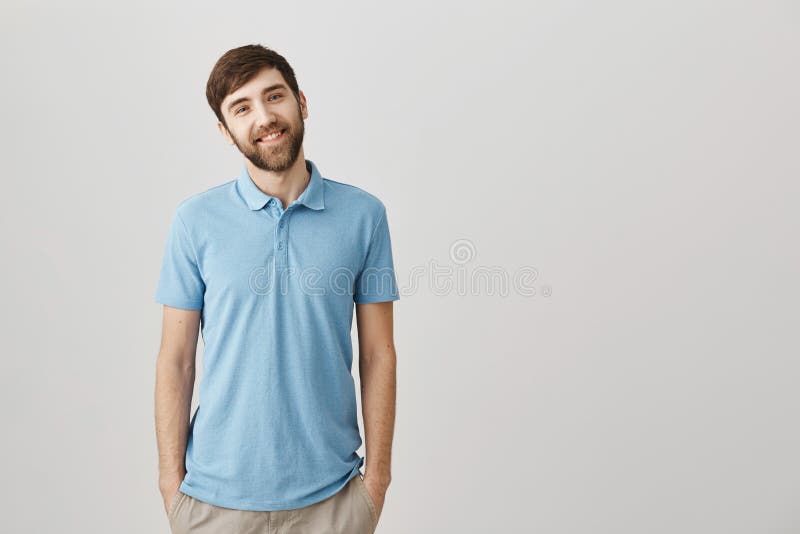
264 117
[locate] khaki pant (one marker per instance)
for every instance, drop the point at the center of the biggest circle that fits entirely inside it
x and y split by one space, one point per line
349 511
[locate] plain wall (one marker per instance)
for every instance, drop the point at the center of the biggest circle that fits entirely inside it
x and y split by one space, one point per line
639 158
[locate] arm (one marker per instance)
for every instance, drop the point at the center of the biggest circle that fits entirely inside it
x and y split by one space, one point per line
377 363
175 372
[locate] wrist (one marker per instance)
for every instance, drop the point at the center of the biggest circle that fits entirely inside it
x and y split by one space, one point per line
381 477
168 481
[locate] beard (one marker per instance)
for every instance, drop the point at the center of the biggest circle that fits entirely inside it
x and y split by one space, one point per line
279 157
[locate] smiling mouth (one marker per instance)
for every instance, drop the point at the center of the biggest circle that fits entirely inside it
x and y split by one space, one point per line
267 139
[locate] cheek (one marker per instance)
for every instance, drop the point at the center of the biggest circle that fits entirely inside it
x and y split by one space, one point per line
246 138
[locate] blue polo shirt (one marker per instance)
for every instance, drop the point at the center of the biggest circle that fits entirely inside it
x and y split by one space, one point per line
276 425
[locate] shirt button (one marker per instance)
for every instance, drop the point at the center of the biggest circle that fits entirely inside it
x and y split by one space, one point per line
282 223
280 245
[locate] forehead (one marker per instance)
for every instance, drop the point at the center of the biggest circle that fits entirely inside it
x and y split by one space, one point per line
252 89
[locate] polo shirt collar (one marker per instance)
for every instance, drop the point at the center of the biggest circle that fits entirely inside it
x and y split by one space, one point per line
312 196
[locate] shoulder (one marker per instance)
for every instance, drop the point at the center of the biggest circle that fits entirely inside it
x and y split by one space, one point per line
194 207
354 197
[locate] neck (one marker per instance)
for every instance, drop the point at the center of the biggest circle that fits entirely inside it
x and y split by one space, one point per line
286 185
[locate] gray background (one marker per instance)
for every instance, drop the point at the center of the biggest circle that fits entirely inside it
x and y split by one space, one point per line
641 156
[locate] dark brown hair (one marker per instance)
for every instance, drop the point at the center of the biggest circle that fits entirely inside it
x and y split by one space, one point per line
237 66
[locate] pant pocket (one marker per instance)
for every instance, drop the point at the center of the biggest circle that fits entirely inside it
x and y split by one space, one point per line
173 507
368 500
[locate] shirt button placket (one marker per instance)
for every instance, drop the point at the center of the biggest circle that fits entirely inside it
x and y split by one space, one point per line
281 242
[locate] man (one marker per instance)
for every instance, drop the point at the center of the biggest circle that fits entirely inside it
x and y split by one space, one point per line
270 266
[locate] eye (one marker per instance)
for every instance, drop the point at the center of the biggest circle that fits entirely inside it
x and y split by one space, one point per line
274 95
240 109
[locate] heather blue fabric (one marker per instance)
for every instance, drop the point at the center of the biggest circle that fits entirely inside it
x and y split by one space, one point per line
276 425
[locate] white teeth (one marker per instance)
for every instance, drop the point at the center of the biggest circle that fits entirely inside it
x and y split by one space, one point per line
271 137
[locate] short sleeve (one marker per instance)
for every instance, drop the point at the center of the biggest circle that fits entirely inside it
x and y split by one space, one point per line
180 284
377 282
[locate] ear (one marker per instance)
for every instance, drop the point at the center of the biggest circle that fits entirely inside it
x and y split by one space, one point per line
303 104
224 131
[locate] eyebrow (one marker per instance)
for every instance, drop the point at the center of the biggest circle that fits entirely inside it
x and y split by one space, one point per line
266 90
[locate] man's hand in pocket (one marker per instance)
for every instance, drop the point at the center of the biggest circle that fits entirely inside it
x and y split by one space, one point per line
169 491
